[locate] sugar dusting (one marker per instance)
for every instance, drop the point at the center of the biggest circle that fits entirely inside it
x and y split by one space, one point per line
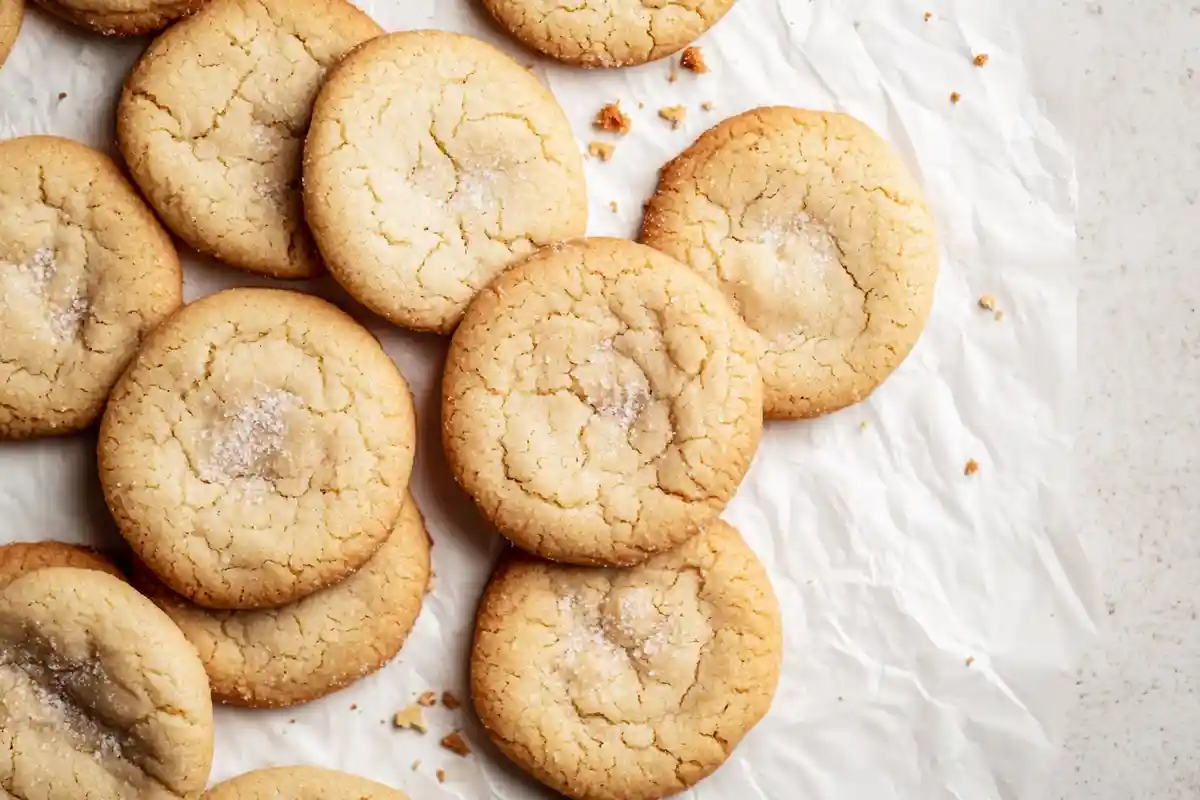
63 317
615 393
605 644
247 437
476 190
801 247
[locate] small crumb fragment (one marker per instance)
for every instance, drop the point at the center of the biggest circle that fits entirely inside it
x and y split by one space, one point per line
862 426
600 150
693 59
612 119
455 743
441 775
999 315
416 764
641 105
970 660
987 302
707 105
612 206
673 115
971 468
955 97
292 721
428 699
62 95
354 706
928 16
449 700
411 718
673 75
981 59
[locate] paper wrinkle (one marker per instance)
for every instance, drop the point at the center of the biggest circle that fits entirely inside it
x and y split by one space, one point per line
892 567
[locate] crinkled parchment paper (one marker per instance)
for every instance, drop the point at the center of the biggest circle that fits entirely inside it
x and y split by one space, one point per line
931 618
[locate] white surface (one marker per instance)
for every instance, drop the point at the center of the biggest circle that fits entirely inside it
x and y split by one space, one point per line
930 617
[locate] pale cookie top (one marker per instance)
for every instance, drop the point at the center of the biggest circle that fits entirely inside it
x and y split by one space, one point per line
85 272
212 123
820 237
101 697
258 448
316 645
434 161
301 783
627 684
121 17
600 402
607 33
11 12
18 558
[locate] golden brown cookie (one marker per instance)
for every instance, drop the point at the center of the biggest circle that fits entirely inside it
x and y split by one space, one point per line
11 13
258 448
817 233
433 162
600 402
213 118
613 33
304 650
301 783
85 272
101 697
627 684
18 558
121 17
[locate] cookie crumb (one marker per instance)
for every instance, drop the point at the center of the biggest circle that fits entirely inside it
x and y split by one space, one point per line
411 718
292 721
441 775
981 59
987 302
427 699
955 97
600 150
999 315
354 706
416 764
641 105
970 660
971 468
928 16
707 105
612 119
62 95
449 700
673 114
673 75
862 426
455 743
693 59
612 206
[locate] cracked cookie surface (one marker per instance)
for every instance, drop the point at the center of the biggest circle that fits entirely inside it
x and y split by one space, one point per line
296 653
11 14
100 695
85 272
433 162
212 123
607 33
600 402
301 783
19 558
121 17
627 684
817 233
258 448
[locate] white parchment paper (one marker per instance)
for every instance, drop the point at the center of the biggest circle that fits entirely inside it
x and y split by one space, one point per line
931 619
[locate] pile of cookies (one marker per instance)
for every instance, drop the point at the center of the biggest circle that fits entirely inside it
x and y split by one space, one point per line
602 399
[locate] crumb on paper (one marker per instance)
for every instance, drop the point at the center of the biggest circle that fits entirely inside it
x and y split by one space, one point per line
427 699
292 721
410 718
970 660
673 75
862 426
980 59
999 314
693 59
987 302
449 700
455 743
612 119
641 105
62 95
971 468
612 206
441 775
707 105
928 16
600 150
955 97
354 706
673 114
416 765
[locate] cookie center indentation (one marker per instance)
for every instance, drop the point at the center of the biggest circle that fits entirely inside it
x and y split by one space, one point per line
247 438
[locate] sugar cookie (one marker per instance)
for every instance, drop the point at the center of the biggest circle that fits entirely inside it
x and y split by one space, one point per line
819 236
304 650
11 13
600 402
100 695
614 33
258 448
212 123
85 272
433 162
627 684
301 783
19 558
121 17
